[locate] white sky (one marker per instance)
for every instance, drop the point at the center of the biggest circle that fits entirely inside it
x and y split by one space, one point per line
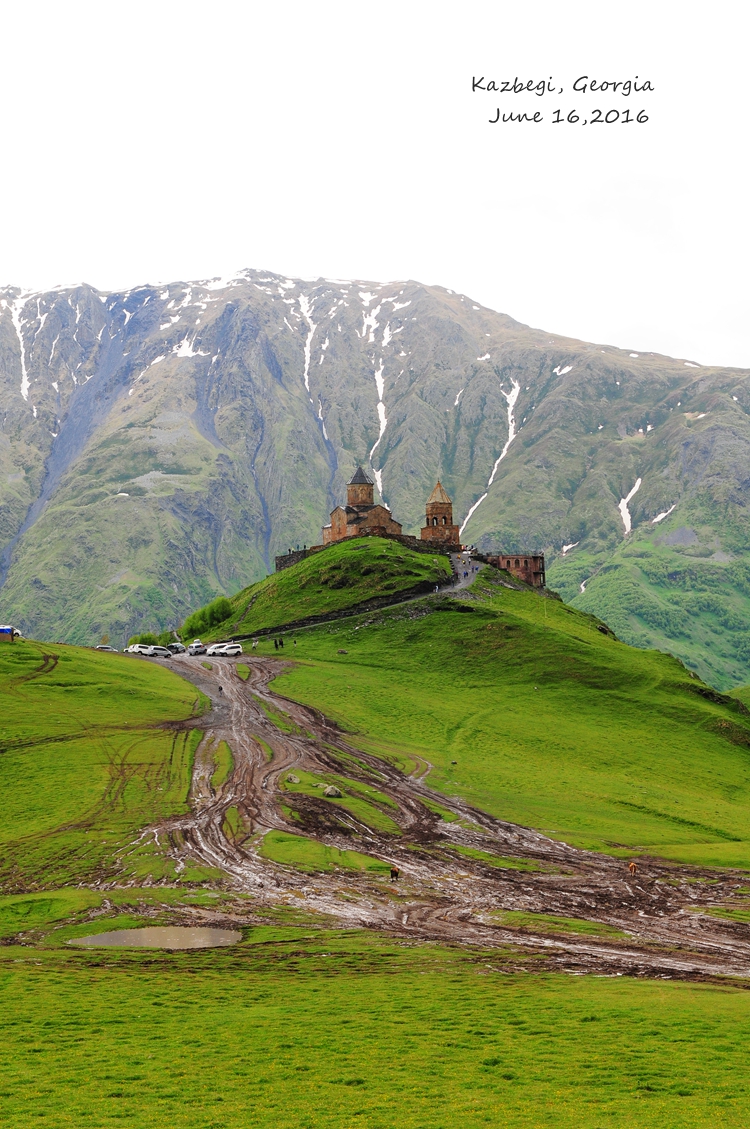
157 141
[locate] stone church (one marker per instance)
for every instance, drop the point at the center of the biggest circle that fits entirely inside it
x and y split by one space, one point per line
361 515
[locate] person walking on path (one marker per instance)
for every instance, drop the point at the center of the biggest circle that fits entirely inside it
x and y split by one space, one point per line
275 644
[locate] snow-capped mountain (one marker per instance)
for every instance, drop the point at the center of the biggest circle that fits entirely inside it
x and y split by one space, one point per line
162 444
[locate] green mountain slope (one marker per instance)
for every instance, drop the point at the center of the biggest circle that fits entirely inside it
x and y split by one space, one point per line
159 446
528 709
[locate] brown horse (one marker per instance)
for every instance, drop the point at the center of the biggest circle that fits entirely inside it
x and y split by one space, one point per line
394 873
633 869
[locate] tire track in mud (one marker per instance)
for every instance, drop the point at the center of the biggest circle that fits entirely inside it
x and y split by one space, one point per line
442 895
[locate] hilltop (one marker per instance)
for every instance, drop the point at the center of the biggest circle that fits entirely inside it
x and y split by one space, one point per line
161 445
342 576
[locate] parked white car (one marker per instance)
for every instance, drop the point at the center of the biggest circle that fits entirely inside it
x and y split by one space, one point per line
226 649
138 649
154 652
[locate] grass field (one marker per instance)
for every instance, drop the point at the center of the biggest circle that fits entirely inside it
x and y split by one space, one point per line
343 575
310 856
83 764
526 709
333 1030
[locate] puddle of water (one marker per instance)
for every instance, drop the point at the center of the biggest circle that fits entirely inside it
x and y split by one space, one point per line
161 937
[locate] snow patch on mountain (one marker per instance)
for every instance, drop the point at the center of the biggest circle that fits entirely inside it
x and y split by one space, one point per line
382 417
15 316
660 517
622 506
511 398
221 283
185 349
370 320
320 417
306 308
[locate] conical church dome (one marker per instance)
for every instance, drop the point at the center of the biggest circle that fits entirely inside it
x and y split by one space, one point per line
360 478
438 495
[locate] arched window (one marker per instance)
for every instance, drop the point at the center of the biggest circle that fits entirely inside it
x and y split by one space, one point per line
445 520
434 521
517 563
525 564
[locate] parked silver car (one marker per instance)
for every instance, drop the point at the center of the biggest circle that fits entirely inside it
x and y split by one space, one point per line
197 648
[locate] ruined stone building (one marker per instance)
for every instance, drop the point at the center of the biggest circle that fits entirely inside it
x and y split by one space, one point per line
524 566
361 515
439 528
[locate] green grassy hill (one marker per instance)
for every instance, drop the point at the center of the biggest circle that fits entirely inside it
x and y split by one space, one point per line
339 577
526 708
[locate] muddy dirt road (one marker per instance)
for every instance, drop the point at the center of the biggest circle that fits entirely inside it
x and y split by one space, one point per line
662 913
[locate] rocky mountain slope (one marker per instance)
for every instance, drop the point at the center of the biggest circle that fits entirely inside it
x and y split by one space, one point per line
159 446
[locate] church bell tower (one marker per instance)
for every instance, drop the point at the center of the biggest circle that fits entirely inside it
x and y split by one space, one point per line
439 525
